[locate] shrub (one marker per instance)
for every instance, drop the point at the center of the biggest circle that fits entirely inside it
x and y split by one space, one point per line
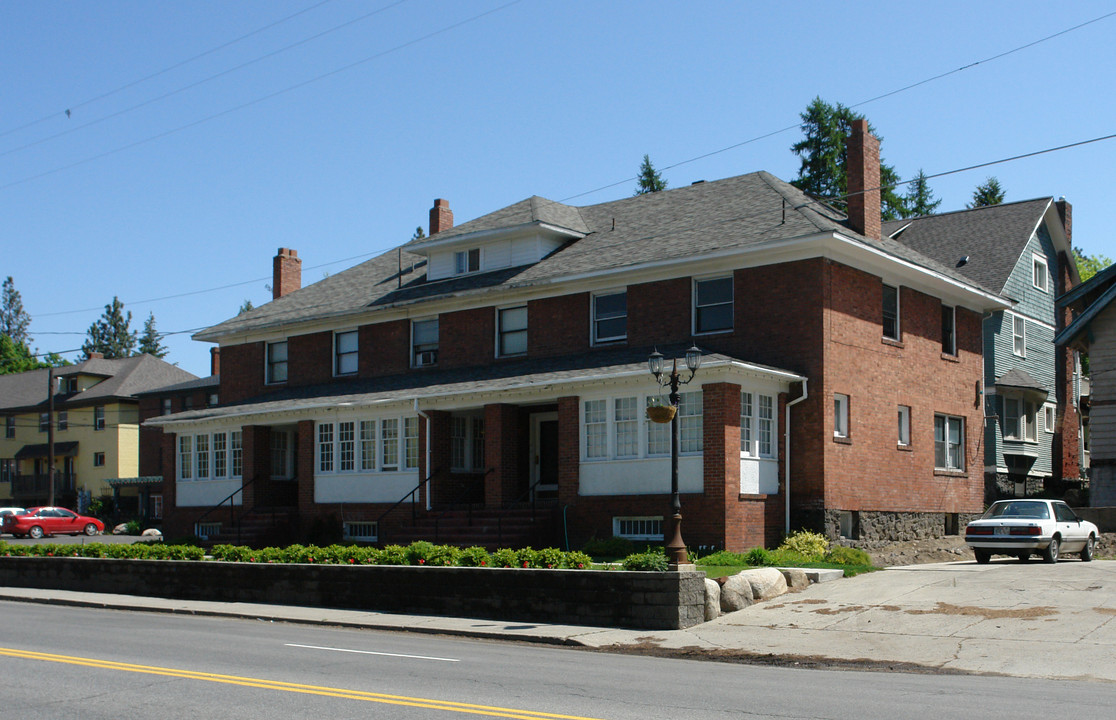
527 558
419 553
504 558
445 556
393 555
723 558
841 555
806 543
613 547
653 560
133 527
759 557
551 558
577 561
475 557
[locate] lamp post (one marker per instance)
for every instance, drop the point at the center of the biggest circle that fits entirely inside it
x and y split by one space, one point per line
676 548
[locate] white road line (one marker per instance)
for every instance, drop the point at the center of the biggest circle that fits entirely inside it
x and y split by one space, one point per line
371 652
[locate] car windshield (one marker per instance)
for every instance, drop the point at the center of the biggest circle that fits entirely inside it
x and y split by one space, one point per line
1020 509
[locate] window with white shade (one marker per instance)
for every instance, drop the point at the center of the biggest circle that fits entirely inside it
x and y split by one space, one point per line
610 317
512 331
345 352
949 440
424 343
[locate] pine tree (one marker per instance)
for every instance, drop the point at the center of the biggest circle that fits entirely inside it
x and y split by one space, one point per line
823 172
149 340
111 335
14 320
419 234
987 193
650 179
920 200
245 307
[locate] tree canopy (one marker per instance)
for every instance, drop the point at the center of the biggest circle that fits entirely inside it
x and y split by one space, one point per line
823 172
111 335
987 193
14 320
919 199
1089 265
650 180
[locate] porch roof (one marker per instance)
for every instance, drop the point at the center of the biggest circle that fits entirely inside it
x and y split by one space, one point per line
42 450
503 380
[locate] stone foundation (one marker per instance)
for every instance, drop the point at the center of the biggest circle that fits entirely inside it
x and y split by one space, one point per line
871 527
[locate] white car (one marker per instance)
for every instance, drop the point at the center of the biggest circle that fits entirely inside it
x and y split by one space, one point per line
1022 528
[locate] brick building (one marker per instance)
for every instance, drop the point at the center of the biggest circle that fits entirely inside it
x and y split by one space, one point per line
502 363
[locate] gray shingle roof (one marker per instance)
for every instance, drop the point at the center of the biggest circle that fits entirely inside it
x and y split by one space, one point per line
1020 379
737 213
124 378
992 237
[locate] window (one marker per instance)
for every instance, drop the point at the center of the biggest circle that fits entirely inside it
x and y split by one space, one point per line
44 422
69 385
277 362
466 261
424 342
627 426
610 317
1018 336
478 442
340 456
9 426
1039 277
512 328
98 459
1048 418
596 429
891 312
99 417
949 335
346 446
281 465
459 431
212 400
63 420
756 425
765 425
411 443
658 434
157 507
466 443
185 457
366 531
167 407
689 422
1019 419
638 528
713 305
188 402
367 444
7 470
949 439
201 448
220 455
389 444
236 445
325 447
345 353
840 415
904 425
746 410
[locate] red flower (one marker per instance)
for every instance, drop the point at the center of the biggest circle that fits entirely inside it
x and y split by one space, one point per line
524 563
483 563
352 560
579 565
422 561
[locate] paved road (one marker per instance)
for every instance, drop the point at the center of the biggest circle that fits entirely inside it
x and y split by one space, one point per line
91 663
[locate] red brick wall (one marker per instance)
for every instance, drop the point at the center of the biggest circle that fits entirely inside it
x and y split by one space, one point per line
569 450
466 337
309 359
558 325
242 372
305 468
1066 460
385 348
502 452
659 312
721 460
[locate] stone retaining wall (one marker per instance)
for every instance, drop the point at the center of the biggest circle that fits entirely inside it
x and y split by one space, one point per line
886 527
641 600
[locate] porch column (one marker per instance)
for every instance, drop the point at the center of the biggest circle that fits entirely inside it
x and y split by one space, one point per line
569 450
502 453
256 449
724 520
304 471
434 432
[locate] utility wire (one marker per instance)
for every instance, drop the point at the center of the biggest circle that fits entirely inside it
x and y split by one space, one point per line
858 104
68 111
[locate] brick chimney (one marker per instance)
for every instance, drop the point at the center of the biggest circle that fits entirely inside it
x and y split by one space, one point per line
214 361
863 165
1065 212
441 217
286 273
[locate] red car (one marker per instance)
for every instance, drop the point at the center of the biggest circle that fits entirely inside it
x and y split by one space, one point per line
39 521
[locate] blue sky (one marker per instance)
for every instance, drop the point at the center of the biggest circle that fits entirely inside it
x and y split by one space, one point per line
233 144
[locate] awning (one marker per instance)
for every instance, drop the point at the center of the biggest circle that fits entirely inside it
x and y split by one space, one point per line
42 450
1022 382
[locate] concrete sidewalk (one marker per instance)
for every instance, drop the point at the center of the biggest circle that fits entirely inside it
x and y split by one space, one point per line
1024 620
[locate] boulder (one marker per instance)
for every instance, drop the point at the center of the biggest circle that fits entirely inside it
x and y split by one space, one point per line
766 582
152 533
712 599
121 529
796 579
736 593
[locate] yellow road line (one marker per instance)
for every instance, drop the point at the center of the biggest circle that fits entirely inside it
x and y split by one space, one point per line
447 705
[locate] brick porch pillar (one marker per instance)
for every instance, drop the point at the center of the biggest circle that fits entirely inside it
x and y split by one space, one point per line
720 428
569 450
256 450
435 430
501 452
304 471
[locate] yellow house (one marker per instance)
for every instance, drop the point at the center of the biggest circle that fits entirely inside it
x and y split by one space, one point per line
92 430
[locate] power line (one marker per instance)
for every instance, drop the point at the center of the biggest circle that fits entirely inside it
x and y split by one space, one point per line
67 112
858 104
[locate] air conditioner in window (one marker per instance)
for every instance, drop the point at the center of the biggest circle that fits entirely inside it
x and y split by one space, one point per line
426 357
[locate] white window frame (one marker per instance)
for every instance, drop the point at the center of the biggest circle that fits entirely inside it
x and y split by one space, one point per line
424 354
657 434
1049 417
904 436
625 426
346 361
502 332
952 314
236 453
691 423
272 365
219 445
757 422
367 445
1040 280
952 452
185 457
390 444
594 429
840 415
639 527
1020 419
201 457
1018 338
463 261
410 454
99 417
327 450
883 317
696 306
361 530
597 318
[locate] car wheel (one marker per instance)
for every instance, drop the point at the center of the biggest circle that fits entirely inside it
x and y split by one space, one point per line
1024 557
90 529
1050 554
35 532
1087 551
982 555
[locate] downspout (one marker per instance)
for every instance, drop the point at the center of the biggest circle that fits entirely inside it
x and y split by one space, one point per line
426 417
786 461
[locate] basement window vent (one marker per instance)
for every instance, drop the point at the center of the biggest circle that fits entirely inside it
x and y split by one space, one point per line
206 530
638 528
368 531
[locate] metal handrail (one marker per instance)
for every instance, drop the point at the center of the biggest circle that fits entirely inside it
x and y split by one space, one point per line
221 504
410 494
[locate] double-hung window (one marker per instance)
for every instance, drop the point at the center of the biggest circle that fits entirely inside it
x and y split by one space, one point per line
201 448
596 429
367 444
345 352
610 317
626 422
236 450
949 441
1018 336
220 455
410 443
765 425
389 444
689 422
99 417
512 331
424 342
890 312
757 419
9 426
949 330
658 434
1020 417
1040 274
325 448
1048 417
466 261
185 457
713 305
44 422
277 362
63 420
